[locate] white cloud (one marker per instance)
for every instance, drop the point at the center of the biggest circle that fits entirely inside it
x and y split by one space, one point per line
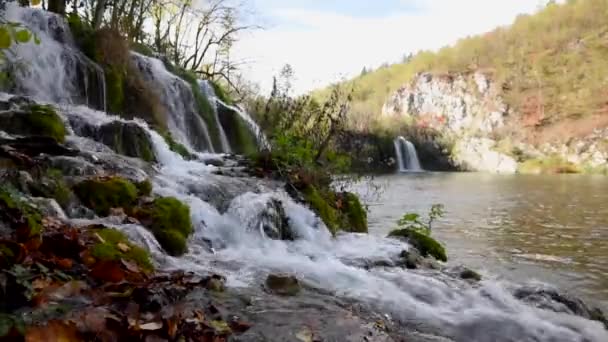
324 47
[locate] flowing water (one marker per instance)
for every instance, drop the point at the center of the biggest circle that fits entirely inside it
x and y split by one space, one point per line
547 228
228 239
407 157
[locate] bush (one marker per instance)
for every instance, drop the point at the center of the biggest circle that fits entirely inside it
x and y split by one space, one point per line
103 194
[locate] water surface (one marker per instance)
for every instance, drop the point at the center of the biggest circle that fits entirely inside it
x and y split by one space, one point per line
550 228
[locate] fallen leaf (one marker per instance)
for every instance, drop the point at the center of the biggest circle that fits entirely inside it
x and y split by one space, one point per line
172 327
130 266
123 247
109 271
151 326
54 331
99 238
240 327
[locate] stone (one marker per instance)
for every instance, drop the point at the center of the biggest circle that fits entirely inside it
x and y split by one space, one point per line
282 285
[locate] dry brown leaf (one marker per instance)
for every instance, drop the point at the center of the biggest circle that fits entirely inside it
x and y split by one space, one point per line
151 326
123 247
54 331
109 271
130 266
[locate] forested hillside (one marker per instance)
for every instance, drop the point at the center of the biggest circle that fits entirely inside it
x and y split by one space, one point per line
552 66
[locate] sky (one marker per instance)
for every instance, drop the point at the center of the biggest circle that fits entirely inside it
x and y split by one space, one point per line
326 41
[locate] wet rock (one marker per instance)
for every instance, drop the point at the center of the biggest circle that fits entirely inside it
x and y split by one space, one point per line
74 166
426 245
216 284
48 207
412 258
34 121
550 299
464 273
274 221
126 138
282 285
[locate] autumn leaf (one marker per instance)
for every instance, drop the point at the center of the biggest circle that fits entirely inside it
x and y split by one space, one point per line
109 271
54 331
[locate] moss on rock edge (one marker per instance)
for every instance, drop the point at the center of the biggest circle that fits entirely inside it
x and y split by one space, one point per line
103 194
116 246
426 245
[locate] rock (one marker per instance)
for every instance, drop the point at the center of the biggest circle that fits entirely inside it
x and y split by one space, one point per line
411 258
423 243
282 285
48 207
478 154
550 299
464 273
74 166
34 120
216 284
274 221
126 138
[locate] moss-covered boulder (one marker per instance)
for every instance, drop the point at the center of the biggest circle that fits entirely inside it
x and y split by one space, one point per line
18 218
169 221
239 134
34 120
426 245
339 211
177 147
52 185
113 245
127 138
103 194
355 215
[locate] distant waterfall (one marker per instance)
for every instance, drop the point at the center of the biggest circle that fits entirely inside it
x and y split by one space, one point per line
407 158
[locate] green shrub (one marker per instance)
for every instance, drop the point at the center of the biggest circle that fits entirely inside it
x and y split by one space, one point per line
103 194
19 213
109 249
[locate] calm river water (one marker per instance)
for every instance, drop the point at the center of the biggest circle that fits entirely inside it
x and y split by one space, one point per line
552 229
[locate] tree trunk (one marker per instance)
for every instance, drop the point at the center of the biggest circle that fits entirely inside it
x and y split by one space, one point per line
57 6
99 9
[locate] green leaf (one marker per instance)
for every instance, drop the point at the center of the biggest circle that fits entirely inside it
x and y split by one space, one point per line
23 36
410 217
5 38
36 40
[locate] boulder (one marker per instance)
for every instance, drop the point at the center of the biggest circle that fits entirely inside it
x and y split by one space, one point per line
282 285
34 120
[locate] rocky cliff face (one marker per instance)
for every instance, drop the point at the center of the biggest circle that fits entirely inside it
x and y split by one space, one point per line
483 133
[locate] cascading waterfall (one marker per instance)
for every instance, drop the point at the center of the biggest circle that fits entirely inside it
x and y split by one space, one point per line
54 70
425 301
207 89
184 120
407 157
260 137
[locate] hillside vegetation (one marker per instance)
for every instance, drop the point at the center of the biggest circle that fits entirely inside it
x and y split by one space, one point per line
553 66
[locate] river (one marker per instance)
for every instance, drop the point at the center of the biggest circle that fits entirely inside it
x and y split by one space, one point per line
549 228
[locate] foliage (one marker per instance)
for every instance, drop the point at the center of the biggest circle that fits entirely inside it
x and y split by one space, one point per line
116 246
169 221
354 213
552 65
101 195
412 221
10 34
548 165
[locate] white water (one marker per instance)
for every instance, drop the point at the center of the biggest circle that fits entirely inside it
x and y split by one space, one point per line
253 126
407 157
487 312
55 70
207 89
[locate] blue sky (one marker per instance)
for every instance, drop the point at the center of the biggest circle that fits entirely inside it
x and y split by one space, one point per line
326 41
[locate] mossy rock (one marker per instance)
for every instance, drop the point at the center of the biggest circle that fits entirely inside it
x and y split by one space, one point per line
177 147
101 195
144 187
34 120
239 134
128 139
354 213
548 165
322 207
169 221
22 218
52 185
426 245
116 246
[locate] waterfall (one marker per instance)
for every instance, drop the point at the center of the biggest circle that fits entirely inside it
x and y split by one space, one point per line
425 301
208 91
251 124
407 157
184 120
54 70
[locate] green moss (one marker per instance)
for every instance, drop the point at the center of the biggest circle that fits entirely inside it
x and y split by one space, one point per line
144 187
18 212
172 241
320 205
39 120
83 34
177 147
425 244
109 249
221 93
115 83
242 140
103 194
142 49
52 185
169 220
355 214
